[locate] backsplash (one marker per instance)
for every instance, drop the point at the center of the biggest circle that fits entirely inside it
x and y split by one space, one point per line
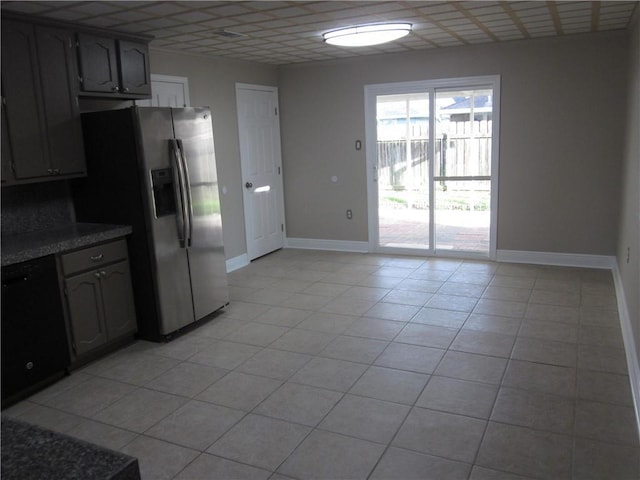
38 206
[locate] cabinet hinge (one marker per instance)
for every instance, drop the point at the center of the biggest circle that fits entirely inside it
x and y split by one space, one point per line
278 170
282 227
276 110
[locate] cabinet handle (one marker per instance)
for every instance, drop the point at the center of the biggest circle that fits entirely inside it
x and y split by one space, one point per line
103 274
97 258
50 171
125 89
97 274
115 89
29 366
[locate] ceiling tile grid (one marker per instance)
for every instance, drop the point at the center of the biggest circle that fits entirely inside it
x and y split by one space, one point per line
285 32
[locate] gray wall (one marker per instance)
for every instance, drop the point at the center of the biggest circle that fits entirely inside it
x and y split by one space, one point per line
212 83
562 123
629 233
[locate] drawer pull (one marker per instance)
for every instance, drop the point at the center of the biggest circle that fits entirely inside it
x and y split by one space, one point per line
97 258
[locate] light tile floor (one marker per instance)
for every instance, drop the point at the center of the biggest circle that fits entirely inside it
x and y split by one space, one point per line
340 365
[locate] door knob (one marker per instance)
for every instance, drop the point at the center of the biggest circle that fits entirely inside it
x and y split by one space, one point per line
248 184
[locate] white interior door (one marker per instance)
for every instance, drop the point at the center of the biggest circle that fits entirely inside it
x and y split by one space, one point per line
167 91
259 131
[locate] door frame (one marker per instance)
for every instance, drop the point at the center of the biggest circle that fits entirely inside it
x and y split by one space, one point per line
370 94
280 213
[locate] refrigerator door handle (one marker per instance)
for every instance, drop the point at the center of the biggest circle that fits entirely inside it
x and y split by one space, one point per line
189 206
182 215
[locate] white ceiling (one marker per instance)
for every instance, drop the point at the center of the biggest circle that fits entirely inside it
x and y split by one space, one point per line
284 32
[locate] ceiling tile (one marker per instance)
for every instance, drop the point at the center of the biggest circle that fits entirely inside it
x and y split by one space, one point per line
66 15
104 21
195 16
280 32
26 7
229 9
163 8
94 8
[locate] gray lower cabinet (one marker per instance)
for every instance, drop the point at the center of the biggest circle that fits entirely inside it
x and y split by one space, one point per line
99 296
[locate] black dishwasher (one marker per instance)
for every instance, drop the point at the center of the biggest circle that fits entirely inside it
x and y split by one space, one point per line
34 339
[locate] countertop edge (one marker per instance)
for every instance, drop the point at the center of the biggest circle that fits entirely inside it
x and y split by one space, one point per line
55 241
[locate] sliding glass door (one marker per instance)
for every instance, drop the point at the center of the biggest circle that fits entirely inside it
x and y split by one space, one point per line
432 157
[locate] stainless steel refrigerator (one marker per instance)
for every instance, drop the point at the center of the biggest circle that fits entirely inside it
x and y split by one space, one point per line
155 169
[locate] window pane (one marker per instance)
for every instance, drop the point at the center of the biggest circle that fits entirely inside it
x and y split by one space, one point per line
462 215
403 170
463 133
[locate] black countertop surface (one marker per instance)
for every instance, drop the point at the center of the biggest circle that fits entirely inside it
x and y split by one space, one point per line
31 452
27 246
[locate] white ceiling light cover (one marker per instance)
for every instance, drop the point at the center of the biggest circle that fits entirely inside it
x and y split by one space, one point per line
365 35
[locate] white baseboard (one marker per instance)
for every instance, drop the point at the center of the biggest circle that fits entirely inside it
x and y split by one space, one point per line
237 262
556 259
320 244
633 361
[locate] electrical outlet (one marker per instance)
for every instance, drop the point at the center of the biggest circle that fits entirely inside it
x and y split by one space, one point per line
349 214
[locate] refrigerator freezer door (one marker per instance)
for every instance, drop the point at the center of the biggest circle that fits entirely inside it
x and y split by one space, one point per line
171 263
193 129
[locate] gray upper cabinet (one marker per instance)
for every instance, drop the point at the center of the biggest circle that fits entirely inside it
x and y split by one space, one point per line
58 69
45 68
98 64
135 77
22 102
42 138
111 67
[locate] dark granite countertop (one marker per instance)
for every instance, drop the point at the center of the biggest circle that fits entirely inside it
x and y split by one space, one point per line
31 452
27 246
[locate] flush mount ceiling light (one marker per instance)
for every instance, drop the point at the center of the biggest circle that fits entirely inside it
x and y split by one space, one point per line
365 35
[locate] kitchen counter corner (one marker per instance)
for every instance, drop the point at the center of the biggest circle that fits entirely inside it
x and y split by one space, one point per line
31 452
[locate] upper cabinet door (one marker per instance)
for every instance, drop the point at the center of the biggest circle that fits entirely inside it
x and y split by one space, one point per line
134 67
23 108
98 63
7 156
57 60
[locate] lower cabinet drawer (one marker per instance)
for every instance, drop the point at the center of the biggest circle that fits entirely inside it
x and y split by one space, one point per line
93 257
99 302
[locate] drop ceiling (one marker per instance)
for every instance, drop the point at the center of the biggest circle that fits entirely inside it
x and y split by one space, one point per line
278 32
